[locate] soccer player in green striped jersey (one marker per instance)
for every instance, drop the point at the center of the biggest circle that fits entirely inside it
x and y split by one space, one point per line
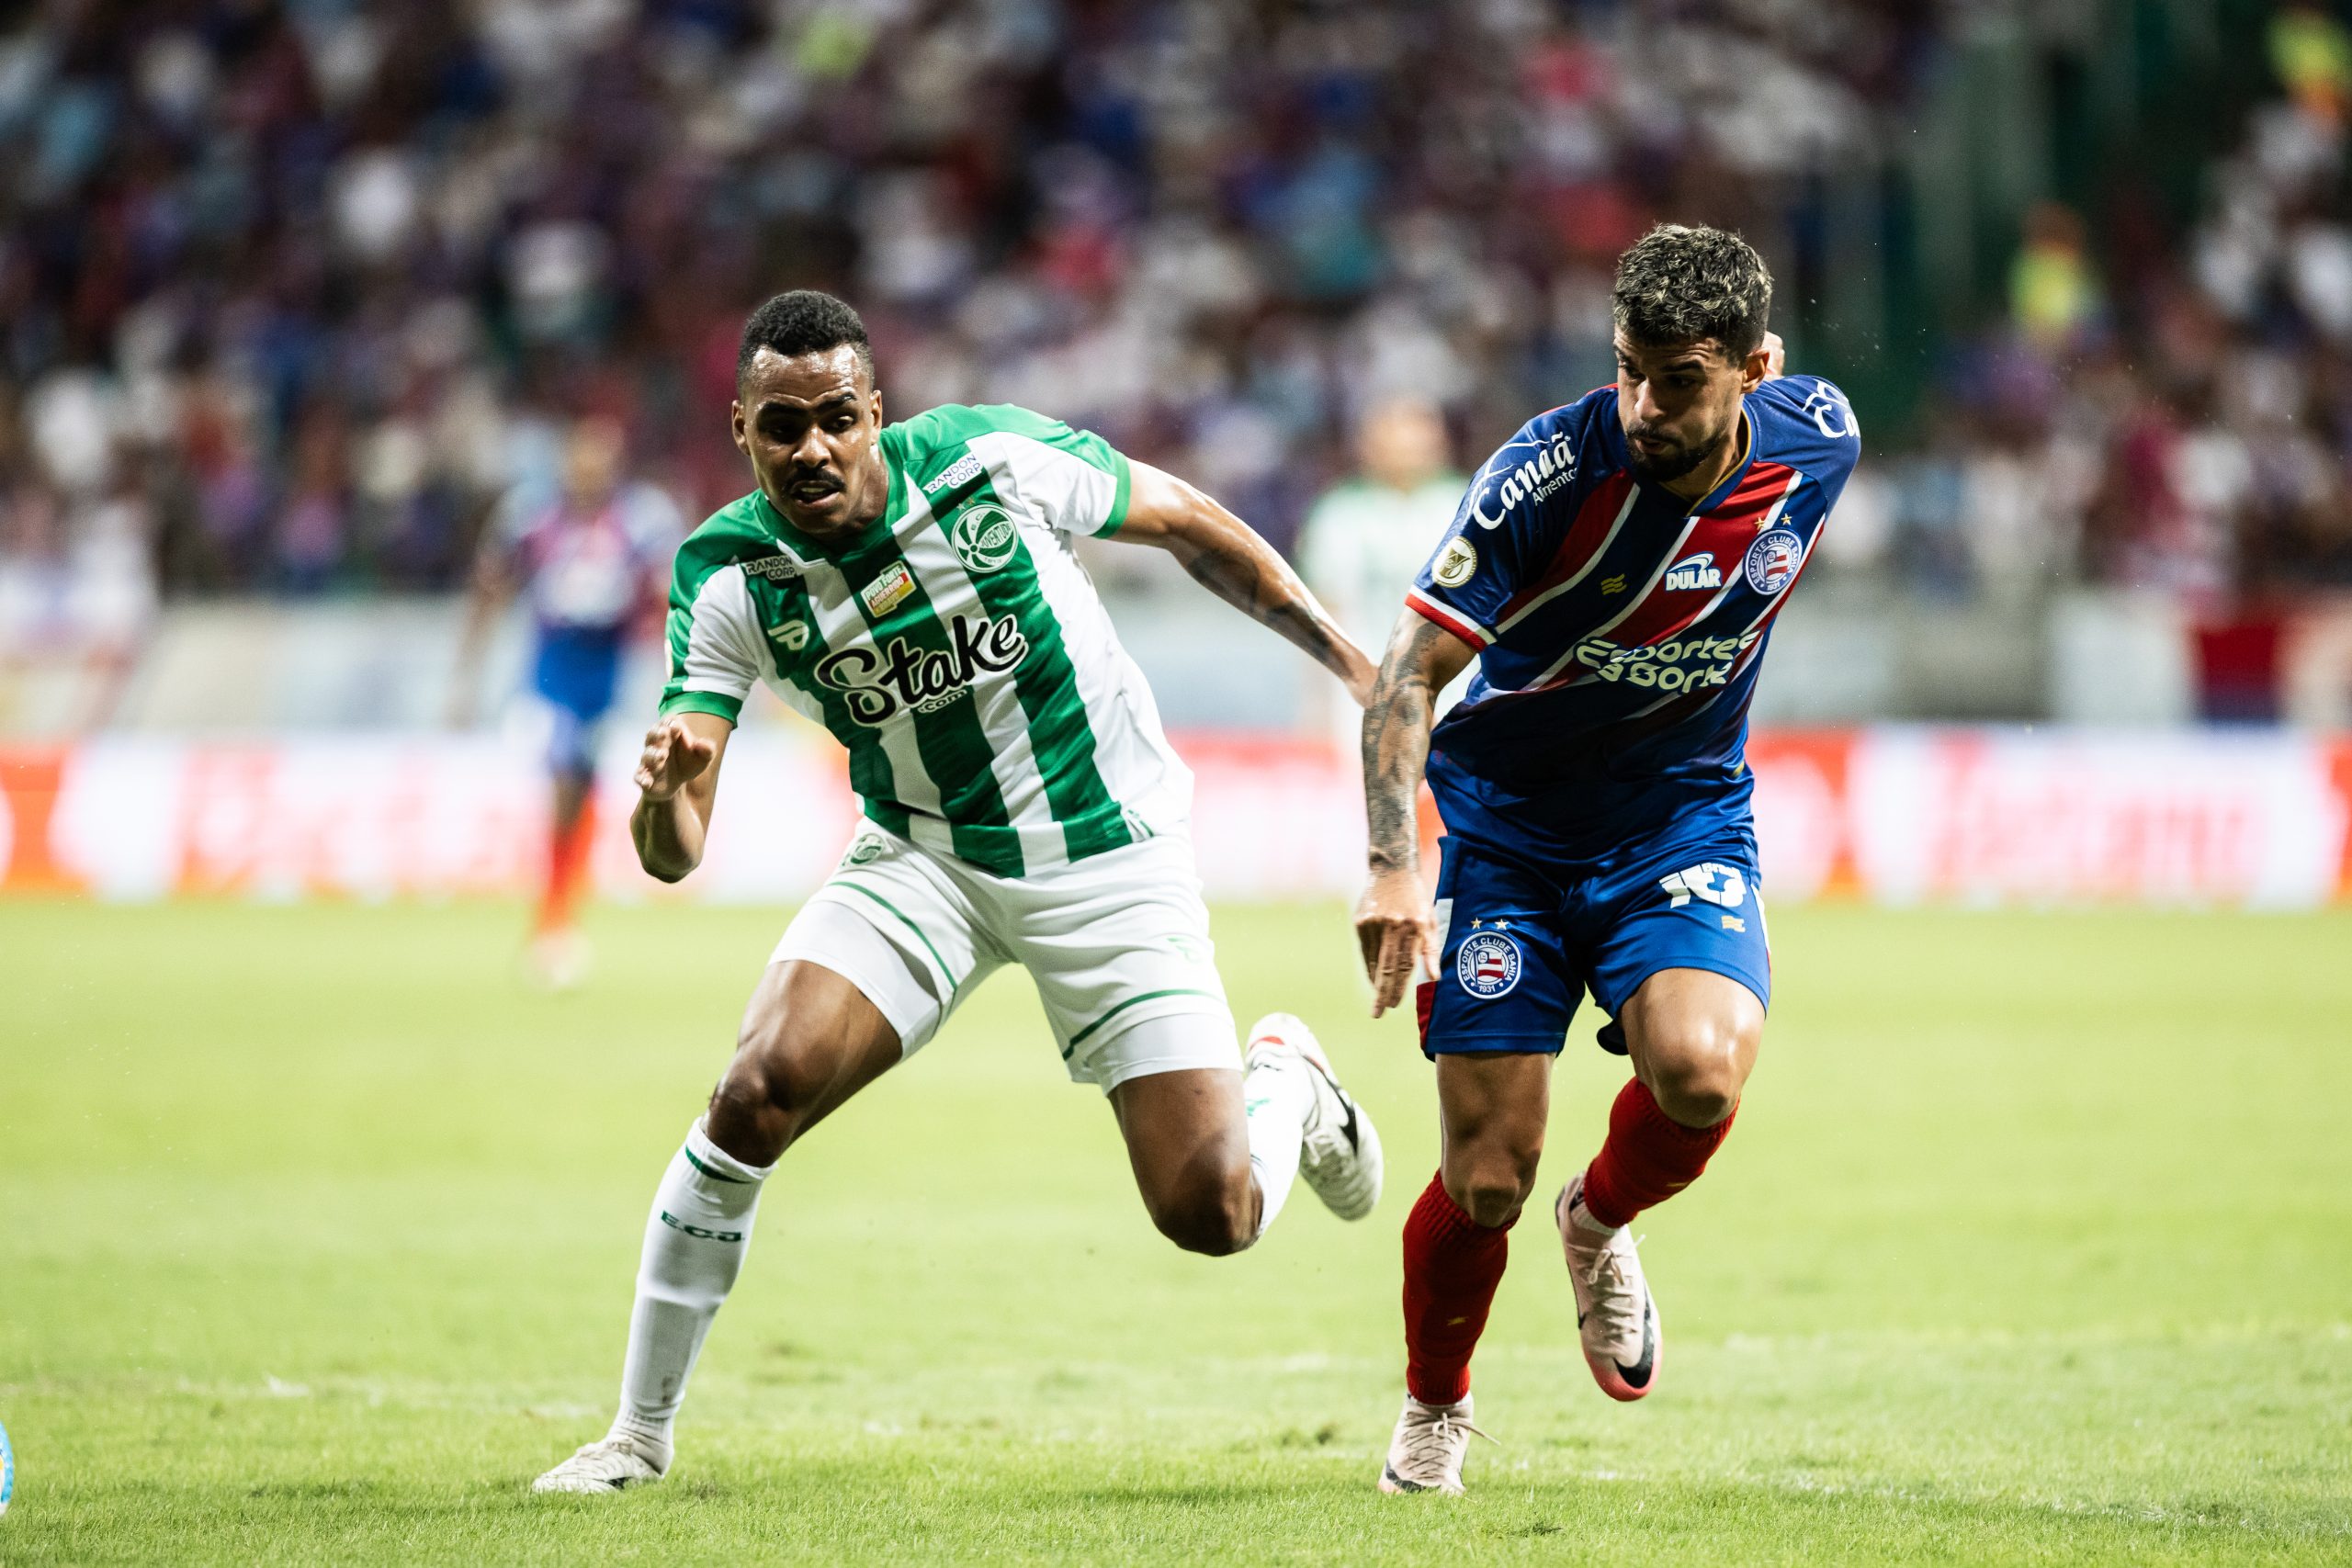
912 588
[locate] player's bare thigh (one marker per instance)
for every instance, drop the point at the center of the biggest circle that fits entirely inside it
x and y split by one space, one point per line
1693 1036
1187 1141
1492 1107
809 1040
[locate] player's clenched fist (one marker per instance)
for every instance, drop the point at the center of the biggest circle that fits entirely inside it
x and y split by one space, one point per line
1395 931
673 757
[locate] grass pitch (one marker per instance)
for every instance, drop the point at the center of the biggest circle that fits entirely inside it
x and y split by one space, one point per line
317 1232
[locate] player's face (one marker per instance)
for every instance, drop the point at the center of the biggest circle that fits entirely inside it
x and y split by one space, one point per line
811 425
1678 404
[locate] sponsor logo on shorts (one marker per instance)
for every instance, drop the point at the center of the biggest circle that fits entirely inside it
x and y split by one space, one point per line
1488 965
984 537
865 851
1455 563
1773 559
1694 573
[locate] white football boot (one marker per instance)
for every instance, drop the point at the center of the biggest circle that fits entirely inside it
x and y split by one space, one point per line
1340 1158
1426 1453
1616 1315
608 1464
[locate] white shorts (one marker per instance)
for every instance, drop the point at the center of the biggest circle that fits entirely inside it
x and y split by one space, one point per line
1113 941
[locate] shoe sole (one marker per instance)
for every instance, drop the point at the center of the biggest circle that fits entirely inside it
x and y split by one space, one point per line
1604 1372
1394 1487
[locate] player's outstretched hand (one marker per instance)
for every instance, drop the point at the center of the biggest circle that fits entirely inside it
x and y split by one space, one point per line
674 756
1395 930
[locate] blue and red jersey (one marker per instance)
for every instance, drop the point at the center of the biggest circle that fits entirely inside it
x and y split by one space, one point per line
1620 626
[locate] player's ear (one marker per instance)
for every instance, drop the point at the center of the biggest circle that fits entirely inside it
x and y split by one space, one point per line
740 424
1757 368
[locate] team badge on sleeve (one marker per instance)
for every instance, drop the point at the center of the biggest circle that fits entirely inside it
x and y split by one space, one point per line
1454 563
1773 559
1488 965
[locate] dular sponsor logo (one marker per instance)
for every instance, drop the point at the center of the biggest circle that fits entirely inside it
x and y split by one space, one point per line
1694 571
1521 471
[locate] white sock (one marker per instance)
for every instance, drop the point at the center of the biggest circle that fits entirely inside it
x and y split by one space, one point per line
694 1242
1278 1098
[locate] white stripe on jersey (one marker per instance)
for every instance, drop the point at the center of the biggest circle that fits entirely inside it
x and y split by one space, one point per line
718 652
1137 765
1013 756
841 624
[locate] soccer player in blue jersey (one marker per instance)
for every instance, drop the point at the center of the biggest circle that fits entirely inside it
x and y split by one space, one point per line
593 556
1614 568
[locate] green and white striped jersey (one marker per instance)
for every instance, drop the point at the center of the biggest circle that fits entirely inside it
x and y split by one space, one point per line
956 646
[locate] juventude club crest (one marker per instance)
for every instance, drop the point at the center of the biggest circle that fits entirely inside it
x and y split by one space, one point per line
983 537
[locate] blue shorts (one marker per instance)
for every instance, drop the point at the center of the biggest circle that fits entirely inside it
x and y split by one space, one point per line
1522 942
575 672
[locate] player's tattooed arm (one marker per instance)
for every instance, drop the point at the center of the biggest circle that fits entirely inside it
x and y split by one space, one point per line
1226 556
677 782
1394 927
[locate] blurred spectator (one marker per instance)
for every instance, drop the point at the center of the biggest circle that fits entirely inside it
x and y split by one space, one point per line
1366 538
2053 293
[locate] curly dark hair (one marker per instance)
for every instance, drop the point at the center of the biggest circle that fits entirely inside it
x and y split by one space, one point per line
1681 283
803 322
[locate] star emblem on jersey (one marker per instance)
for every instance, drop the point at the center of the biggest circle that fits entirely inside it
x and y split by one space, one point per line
1488 966
984 537
1772 561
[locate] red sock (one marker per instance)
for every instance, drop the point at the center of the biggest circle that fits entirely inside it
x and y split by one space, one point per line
1647 1158
1451 1266
567 868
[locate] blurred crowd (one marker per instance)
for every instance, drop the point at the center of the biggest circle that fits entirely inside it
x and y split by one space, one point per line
2175 414
291 292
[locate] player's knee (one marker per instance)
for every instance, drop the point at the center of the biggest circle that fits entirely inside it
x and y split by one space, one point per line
1697 1068
766 1095
1492 1188
1215 1218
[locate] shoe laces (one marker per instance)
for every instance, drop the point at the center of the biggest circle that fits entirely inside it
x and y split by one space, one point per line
1434 1440
1617 1304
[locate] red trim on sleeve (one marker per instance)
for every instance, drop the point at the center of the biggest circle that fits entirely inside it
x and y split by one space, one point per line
1452 620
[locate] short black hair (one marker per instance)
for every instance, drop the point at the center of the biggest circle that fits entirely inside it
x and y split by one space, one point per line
1681 283
803 320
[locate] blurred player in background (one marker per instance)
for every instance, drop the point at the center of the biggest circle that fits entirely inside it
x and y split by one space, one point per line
1366 538
1615 570
592 558
913 588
